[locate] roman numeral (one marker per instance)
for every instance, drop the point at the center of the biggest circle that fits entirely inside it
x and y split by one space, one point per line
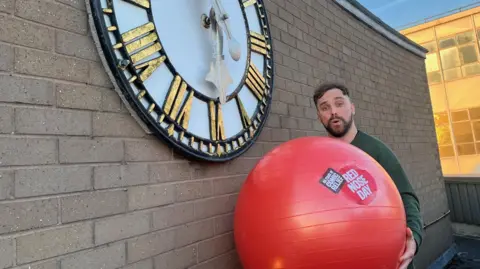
141 43
140 3
217 128
246 122
249 3
175 107
256 82
259 43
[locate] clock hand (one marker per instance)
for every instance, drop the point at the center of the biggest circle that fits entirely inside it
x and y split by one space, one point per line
233 45
218 74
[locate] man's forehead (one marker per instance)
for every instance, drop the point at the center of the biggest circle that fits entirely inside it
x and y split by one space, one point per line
332 95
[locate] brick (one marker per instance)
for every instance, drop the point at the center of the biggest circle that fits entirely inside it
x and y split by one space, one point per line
44 64
116 124
147 150
81 97
79 4
145 264
27 151
21 32
177 259
215 246
121 227
79 46
52 121
111 101
93 205
6 58
169 216
193 190
229 260
150 245
110 257
6 184
7 6
281 135
25 90
52 180
98 76
223 224
21 216
7 253
79 150
114 176
193 232
215 206
171 171
52 14
42 265
141 197
228 185
6 120
54 242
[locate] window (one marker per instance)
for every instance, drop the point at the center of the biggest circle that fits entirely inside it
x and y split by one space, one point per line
459 56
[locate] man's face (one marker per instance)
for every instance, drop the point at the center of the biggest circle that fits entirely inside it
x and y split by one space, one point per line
335 111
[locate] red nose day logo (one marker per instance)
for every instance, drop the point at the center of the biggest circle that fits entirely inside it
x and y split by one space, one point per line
359 185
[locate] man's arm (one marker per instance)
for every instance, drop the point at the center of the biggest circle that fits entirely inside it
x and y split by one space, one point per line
410 200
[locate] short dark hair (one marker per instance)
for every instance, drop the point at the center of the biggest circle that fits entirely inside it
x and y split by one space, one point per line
323 88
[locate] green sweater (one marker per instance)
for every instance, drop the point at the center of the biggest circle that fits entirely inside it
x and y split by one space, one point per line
386 158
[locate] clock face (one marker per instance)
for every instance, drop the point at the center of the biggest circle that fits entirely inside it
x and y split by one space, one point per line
199 73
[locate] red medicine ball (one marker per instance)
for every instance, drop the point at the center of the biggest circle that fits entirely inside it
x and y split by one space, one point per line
319 203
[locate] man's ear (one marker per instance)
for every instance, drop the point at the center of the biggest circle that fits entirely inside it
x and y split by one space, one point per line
353 108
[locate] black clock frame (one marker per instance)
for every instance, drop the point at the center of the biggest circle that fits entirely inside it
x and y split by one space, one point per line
123 84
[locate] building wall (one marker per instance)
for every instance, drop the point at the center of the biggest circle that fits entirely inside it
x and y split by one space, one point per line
453 69
82 185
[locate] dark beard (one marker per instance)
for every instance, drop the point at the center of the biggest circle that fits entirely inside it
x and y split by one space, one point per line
347 125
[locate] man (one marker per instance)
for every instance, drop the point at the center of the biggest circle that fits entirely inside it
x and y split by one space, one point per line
335 111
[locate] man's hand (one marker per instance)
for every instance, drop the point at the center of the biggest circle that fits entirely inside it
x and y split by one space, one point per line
410 249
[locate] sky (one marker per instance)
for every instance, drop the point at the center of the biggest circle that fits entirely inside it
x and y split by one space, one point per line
397 13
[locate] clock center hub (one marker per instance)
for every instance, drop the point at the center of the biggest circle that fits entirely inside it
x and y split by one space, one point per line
190 44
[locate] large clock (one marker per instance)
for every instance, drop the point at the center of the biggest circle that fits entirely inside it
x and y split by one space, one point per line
198 73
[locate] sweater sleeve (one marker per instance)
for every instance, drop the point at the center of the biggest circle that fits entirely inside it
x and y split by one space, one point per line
410 200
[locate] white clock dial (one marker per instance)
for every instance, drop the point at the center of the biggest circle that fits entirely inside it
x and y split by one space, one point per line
199 73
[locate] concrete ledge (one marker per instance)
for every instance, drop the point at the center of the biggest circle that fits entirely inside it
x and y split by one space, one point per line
466 230
361 13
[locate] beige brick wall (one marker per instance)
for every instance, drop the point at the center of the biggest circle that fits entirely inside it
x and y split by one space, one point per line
83 186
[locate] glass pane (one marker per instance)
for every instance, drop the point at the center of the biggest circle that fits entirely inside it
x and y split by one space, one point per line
465 38
459 115
431 62
471 69
450 58
430 46
476 130
446 151
442 129
447 43
466 149
434 77
452 74
478 148
468 54
462 132
441 118
475 113
453 27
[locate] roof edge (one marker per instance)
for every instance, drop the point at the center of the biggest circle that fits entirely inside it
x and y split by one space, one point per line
367 17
